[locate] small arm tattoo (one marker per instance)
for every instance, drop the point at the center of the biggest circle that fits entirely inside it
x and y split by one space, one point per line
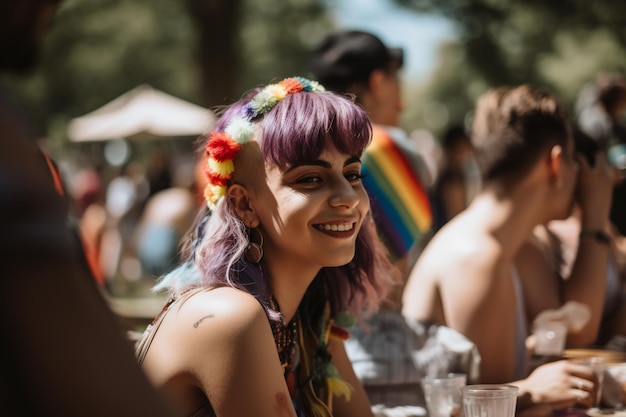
196 324
283 406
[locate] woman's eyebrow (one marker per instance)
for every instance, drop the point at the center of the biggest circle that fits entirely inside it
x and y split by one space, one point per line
324 164
353 159
318 162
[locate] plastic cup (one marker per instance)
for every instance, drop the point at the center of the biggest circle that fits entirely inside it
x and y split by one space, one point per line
598 366
550 338
443 395
490 400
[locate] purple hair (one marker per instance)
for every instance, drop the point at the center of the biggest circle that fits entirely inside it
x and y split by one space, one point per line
296 129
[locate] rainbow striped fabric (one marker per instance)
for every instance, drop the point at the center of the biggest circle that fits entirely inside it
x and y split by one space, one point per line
400 204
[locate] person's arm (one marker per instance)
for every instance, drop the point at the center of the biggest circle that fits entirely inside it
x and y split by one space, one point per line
359 405
619 241
225 342
587 281
558 384
538 263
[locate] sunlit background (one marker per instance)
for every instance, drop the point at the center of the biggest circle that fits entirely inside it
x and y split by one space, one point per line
208 52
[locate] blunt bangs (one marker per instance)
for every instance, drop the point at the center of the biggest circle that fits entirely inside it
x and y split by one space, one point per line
298 128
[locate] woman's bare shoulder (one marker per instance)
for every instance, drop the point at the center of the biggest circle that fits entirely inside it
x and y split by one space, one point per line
211 319
226 310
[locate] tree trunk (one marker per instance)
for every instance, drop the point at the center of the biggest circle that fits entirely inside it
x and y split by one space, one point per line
217 23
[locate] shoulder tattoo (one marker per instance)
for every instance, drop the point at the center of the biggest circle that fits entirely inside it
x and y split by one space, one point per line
196 324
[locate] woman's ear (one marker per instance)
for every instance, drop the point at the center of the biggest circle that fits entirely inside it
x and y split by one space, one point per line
239 198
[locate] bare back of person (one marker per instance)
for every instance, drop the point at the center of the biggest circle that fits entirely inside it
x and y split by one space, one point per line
468 286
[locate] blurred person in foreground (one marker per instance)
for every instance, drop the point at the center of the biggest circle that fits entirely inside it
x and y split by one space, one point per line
390 355
63 352
466 277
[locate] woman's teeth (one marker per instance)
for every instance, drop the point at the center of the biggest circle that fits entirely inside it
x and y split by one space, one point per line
335 227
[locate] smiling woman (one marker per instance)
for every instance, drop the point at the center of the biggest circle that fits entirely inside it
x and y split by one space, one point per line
284 185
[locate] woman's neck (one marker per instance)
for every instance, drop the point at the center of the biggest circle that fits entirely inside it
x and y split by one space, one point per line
288 284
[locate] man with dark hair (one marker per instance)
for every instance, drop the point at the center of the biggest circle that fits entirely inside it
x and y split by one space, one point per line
466 277
63 352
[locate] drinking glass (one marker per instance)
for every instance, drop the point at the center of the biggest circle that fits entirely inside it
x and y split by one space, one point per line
550 338
489 400
598 366
443 395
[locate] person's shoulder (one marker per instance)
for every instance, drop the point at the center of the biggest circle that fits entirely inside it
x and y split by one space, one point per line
460 245
223 305
210 320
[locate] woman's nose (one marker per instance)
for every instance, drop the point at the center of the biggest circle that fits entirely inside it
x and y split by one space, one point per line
344 194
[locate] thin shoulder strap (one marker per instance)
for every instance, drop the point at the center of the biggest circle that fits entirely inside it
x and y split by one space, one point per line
143 344
54 172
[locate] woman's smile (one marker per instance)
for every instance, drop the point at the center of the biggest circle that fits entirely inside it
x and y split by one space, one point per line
345 229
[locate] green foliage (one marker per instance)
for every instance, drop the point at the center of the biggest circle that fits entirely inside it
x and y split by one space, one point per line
448 95
557 44
99 49
276 37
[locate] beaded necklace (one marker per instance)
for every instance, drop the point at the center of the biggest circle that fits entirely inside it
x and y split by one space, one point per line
286 338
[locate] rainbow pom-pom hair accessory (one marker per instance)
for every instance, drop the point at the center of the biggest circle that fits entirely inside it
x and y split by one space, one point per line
222 147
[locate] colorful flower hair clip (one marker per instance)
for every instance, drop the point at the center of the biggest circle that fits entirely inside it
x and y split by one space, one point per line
222 147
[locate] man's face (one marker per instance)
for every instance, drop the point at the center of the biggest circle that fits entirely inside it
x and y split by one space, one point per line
391 99
23 25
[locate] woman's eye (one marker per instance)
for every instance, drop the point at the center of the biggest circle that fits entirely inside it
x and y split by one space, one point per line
354 176
311 179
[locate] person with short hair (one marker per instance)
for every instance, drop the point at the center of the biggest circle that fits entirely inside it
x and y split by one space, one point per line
467 279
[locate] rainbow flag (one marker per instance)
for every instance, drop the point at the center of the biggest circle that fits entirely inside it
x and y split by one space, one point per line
400 205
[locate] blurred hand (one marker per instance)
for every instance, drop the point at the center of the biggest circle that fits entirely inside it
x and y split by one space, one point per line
561 384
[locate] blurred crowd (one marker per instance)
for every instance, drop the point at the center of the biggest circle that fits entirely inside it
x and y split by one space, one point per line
132 217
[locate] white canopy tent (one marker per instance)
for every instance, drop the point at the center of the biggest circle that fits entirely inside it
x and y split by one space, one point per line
142 113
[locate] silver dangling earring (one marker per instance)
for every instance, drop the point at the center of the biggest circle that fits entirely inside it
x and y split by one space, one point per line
254 251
